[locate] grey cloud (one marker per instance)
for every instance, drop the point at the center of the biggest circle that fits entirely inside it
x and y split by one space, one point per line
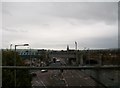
6 11
97 11
108 42
10 29
14 30
61 23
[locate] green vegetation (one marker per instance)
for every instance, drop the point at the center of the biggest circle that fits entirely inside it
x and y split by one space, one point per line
23 78
44 56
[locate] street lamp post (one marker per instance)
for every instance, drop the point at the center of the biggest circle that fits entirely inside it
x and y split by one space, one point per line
75 45
76 53
10 47
15 59
15 51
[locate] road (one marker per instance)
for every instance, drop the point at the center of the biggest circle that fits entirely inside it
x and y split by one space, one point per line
66 78
50 78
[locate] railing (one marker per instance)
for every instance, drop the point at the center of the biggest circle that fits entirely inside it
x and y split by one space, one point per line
63 67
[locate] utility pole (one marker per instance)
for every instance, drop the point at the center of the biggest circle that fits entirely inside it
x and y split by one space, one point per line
76 53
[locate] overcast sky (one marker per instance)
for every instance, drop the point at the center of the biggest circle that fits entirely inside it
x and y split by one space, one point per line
54 25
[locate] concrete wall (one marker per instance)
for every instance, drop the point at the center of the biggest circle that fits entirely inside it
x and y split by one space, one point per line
110 78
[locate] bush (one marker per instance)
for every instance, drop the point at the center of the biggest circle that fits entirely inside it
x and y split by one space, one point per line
23 78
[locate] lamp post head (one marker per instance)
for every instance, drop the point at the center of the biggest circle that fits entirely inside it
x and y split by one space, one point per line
26 44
